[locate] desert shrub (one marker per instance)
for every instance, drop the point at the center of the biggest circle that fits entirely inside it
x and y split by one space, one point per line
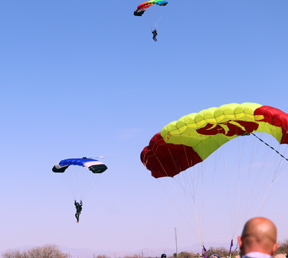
185 255
221 251
133 256
283 247
47 251
103 256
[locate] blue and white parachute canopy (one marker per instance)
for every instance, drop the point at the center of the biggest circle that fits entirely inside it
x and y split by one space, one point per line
94 165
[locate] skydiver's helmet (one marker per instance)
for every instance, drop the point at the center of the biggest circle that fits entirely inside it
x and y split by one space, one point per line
214 256
164 256
77 203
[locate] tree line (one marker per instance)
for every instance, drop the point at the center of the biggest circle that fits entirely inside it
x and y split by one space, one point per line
52 251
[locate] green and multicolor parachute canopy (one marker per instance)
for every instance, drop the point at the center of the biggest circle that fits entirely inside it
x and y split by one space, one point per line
190 140
144 6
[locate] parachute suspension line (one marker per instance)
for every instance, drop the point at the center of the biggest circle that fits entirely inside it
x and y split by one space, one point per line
280 170
182 186
160 15
275 174
196 208
259 206
228 192
203 229
177 193
203 206
193 196
176 206
89 185
217 160
236 211
76 181
158 22
269 146
246 183
81 175
269 197
241 197
277 170
70 179
263 185
147 18
261 171
249 193
240 200
69 189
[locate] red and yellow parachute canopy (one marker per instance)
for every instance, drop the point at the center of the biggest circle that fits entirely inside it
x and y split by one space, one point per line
190 140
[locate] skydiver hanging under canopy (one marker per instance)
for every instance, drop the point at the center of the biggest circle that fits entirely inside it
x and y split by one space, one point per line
154 32
78 209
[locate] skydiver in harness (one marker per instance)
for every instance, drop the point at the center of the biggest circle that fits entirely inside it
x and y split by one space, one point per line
78 209
154 32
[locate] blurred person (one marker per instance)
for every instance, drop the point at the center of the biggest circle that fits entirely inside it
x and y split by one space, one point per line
258 239
163 256
78 207
154 32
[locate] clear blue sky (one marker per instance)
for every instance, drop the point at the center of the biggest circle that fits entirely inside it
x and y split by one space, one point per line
85 78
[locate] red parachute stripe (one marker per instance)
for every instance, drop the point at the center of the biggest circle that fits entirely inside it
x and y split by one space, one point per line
211 129
274 117
166 159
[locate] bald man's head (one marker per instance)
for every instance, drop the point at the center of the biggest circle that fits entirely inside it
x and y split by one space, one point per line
259 235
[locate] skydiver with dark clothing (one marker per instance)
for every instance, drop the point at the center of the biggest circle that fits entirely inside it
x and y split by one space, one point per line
78 209
154 32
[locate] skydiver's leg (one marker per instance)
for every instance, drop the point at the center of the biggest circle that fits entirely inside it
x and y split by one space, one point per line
77 216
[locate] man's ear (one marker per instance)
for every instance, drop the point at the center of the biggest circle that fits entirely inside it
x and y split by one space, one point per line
240 242
275 247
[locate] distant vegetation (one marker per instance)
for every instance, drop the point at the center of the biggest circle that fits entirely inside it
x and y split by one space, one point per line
283 248
47 251
221 251
52 251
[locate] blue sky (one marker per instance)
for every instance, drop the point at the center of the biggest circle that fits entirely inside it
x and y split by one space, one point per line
85 78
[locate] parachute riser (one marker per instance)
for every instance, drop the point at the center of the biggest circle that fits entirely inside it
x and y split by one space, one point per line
282 156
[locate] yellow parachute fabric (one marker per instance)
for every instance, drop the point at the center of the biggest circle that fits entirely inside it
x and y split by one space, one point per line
209 129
